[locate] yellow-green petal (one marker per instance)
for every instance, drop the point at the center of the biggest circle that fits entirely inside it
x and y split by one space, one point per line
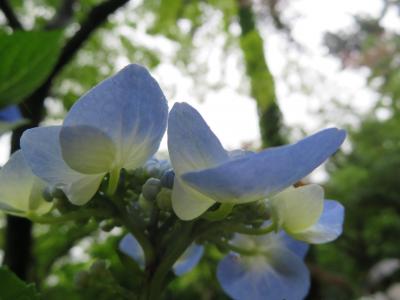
296 209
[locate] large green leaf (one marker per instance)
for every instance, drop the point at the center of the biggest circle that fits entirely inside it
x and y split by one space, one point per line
12 288
26 59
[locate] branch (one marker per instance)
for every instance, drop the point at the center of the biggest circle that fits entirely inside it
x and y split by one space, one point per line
11 17
33 106
63 16
96 17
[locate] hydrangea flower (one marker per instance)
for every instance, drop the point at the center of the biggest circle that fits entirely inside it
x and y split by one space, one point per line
21 192
10 117
275 271
117 124
304 214
189 259
206 173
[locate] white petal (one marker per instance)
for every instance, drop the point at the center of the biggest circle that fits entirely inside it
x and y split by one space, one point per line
296 209
20 190
329 226
188 203
81 191
87 149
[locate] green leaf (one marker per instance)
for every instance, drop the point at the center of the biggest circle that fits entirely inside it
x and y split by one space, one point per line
13 288
26 59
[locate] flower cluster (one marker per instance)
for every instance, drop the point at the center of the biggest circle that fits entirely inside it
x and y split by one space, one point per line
100 160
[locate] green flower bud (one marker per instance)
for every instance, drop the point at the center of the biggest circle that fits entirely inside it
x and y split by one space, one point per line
151 188
164 199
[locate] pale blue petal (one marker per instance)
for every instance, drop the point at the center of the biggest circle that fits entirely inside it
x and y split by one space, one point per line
10 114
87 149
189 259
130 108
279 275
328 228
130 246
297 247
41 149
191 143
256 176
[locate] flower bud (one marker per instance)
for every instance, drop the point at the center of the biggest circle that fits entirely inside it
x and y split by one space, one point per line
164 199
167 180
151 188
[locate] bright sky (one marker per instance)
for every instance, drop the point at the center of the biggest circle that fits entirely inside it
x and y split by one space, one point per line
232 115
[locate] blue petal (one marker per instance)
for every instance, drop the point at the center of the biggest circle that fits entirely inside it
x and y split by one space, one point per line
297 247
189 259
256 176
130 246
191 143
42 152
279 275
41 149
328 228
10 114
130 108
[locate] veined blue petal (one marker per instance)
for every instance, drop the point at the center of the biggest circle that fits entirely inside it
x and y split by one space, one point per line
86 149
188 203
278 275
256 176
328 227
191 143
130 108
20 190
10 114
41 149
189 259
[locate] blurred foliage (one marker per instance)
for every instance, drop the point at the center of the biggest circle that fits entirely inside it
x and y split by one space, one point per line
12 288
25 63
366 179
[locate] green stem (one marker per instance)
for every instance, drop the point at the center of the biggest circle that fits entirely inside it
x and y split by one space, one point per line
131 225
184 238
73 216
113 181
220 213
249 231
239 250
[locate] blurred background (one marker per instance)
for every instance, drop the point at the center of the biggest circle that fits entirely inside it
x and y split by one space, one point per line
262 73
